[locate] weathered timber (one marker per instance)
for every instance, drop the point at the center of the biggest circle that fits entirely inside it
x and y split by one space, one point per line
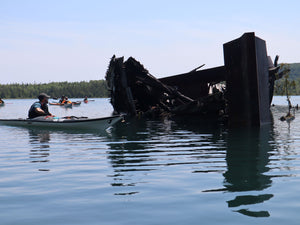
121 95
273 70
134 90
197 68
195 84
247 81
241 90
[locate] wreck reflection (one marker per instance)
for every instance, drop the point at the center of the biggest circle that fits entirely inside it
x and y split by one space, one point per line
247 158
142 146
204 146
132 152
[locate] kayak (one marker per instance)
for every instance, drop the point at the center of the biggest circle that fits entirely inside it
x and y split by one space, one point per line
64 104
86 101
68 105
2 104
71 122
76 103
56 103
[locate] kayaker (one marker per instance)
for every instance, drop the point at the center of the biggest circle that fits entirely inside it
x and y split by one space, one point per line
67 101
40 108
62 99
85 100
1 101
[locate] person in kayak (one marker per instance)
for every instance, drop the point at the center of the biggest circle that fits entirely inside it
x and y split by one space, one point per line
62 99
67 101
40 108
85 100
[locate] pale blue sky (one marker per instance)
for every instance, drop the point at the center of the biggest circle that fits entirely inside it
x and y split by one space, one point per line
71 40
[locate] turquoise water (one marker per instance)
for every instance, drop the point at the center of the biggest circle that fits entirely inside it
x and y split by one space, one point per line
181 171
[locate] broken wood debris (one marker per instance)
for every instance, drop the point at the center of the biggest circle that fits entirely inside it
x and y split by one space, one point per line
241 91
134 91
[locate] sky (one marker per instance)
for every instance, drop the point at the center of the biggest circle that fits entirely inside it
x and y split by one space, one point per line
44 41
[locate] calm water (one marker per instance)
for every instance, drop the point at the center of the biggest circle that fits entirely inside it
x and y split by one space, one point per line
149 172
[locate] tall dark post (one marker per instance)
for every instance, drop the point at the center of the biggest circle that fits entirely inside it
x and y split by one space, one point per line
247 81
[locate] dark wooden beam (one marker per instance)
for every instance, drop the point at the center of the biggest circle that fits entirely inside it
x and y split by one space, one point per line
247 81
194 84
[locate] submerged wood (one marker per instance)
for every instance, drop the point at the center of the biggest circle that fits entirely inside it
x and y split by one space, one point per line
240 91
134 91
195 83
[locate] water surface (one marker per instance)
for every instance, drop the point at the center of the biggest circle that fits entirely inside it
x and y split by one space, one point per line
179 171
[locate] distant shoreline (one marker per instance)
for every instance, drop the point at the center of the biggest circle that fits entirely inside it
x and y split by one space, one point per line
91 89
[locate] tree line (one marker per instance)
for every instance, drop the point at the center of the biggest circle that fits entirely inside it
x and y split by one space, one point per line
290 83
91 89
98 88
293 87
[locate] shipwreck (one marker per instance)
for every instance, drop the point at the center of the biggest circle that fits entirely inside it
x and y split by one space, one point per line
240 92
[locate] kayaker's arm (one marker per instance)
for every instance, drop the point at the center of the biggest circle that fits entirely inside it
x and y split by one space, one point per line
42 112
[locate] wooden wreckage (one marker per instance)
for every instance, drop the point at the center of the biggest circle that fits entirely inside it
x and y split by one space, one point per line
239 92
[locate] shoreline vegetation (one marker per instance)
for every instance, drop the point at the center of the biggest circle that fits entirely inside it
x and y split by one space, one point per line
290 83
98 88
91 89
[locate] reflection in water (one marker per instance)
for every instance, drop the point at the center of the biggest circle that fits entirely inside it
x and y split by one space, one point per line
151 145
132 152
39 140
247 159
143 146
153 172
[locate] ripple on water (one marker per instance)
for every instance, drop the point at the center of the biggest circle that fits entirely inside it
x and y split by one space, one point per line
151 172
